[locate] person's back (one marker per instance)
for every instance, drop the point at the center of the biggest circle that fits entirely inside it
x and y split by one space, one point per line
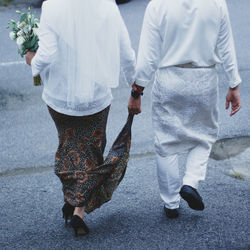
187 31
88 44
194 38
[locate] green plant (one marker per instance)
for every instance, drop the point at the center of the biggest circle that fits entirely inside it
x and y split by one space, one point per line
237 176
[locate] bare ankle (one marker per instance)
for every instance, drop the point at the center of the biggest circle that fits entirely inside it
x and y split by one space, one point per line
79 211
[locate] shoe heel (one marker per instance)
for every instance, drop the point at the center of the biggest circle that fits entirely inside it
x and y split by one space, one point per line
67 211
76 232
79 226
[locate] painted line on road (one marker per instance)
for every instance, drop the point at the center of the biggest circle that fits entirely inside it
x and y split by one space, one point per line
4 64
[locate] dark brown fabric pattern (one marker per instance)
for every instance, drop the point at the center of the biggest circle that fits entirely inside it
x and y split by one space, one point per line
87 179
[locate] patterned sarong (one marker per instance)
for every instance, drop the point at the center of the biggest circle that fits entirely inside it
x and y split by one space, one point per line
87 179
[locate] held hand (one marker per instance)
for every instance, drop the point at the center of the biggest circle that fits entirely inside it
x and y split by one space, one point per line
233 97
134 105
29 57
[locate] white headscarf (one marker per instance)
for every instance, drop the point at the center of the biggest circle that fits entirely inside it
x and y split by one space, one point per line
88 34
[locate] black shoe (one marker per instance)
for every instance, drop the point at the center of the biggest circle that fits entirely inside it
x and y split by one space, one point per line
79 226
171 213
67 211
192 197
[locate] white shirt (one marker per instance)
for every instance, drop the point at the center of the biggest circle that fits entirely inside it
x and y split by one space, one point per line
55 93
186 31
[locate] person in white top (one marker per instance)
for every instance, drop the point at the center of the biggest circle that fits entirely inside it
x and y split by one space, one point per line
181 42
83 46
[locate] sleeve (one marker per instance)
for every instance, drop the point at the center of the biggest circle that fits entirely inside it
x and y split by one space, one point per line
127 54
149 48
47 46
226 48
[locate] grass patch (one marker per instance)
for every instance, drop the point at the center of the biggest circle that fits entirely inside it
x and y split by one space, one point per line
5 2
237 176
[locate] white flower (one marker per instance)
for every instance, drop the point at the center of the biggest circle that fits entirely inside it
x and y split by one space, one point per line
26 29
12 35
35 31
20 40
20 33
20 25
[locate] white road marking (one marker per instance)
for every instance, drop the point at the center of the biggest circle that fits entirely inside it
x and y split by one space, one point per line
3 64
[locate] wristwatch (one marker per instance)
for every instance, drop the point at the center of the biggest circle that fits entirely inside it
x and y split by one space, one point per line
135 94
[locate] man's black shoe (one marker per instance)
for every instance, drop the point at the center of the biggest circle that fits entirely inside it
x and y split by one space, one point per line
192 197
171 213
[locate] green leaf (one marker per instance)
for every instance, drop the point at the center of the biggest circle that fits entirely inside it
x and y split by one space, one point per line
30 44
32 19
33 42
34 49
14 26
23 17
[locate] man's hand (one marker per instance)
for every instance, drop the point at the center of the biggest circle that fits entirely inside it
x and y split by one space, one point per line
29 57
233 97
134 105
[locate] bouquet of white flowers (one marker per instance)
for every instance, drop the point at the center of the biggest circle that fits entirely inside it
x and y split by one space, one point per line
24 32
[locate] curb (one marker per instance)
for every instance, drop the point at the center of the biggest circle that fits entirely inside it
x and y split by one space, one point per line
232 155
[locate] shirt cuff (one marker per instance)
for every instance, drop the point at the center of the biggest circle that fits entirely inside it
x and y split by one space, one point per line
142 83
235 83
131 81
129 77
35 70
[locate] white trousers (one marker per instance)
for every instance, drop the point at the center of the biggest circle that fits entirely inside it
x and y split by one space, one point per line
168 173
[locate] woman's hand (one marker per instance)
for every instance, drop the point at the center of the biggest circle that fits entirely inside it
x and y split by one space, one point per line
29 57
233 97
134 105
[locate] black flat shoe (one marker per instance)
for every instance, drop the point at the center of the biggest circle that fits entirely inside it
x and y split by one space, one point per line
79 226
67 211
171 213
192 197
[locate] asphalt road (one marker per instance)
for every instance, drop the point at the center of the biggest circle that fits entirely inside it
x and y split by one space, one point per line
134 219
31 201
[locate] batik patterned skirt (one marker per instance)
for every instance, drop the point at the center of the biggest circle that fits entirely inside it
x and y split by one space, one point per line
87 179
82 142
184 109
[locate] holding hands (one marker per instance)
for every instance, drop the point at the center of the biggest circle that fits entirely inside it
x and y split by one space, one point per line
134 104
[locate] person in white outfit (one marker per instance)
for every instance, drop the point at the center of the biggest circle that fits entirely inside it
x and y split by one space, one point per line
181 42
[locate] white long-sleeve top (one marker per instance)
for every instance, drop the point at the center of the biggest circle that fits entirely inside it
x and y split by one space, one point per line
186 31
55 93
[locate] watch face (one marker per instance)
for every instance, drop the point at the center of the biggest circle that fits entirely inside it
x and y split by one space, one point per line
135 94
